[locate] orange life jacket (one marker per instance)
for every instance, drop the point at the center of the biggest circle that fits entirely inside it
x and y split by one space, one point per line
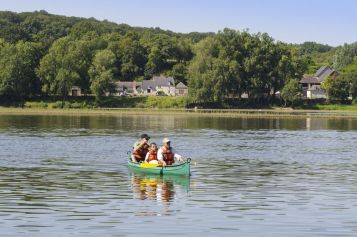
152 154
140 153
168 156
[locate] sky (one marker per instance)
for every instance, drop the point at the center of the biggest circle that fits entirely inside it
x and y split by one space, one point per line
330 22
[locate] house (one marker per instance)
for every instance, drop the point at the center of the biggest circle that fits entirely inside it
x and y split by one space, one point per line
159 85
75 91
156 86
311 86
128 87
181 89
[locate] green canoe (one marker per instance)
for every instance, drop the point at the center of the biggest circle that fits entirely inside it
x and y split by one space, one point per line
176 169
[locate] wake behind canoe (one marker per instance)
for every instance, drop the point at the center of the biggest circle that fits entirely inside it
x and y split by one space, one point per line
176 169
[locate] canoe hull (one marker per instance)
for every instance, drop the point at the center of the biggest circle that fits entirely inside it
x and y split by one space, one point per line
176 169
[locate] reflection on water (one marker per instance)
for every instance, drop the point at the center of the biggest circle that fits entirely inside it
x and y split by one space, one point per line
162 189
68 176
156 122
159 191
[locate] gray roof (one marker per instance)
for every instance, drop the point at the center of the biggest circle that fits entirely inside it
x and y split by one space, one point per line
310 80
128 85
158 82
323 73
164 81
181 86
155 82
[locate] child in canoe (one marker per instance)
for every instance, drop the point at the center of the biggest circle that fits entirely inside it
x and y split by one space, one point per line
151 156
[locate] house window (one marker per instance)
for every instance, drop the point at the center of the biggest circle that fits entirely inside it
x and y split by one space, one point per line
181 91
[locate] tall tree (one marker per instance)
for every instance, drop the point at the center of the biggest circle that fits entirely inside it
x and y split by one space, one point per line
337 88
291 92
132 57
18 62
101 73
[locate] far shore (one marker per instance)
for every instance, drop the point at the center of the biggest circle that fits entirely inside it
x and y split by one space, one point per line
269 113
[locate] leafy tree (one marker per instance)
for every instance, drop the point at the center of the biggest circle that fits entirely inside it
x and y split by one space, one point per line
344 55
132 57
179 72
17 74
101 73
337 88
234 62
311 47
352 79
201 78
74 56
64 82
291 92
59 70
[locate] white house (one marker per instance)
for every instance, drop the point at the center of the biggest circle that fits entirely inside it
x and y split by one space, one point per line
156 86
311 86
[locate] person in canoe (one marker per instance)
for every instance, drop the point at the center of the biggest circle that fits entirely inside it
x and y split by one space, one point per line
167 154
151 156
140 148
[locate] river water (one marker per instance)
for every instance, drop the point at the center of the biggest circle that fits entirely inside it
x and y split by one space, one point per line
67 176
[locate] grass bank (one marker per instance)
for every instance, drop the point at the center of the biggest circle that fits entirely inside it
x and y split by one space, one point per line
160 102
166 104
338 107
253 113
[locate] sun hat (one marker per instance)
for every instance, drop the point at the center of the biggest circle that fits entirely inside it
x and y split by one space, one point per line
165 140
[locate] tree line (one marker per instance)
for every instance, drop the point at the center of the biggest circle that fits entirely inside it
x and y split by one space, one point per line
45 54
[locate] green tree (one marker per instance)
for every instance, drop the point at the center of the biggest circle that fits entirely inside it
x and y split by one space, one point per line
352 78
64 82
291 92
344 56
101 73
201 78
59 69
179 72
70 55
233 62
132 57
337 88
17 75
309 47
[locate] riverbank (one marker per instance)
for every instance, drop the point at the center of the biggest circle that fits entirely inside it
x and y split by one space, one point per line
167 103
277 112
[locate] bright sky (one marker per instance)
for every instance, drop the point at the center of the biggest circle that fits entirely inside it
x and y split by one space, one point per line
294 21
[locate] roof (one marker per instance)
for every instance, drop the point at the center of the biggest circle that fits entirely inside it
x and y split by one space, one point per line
310 80
164 81
323 73
129 86
156 82
181 86
126 84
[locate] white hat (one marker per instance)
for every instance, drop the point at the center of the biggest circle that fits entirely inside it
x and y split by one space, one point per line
165 140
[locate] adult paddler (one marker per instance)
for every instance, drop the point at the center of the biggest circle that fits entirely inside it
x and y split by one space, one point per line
140 148
167 154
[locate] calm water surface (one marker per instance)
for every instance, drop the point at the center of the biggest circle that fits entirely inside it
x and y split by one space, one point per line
67 176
